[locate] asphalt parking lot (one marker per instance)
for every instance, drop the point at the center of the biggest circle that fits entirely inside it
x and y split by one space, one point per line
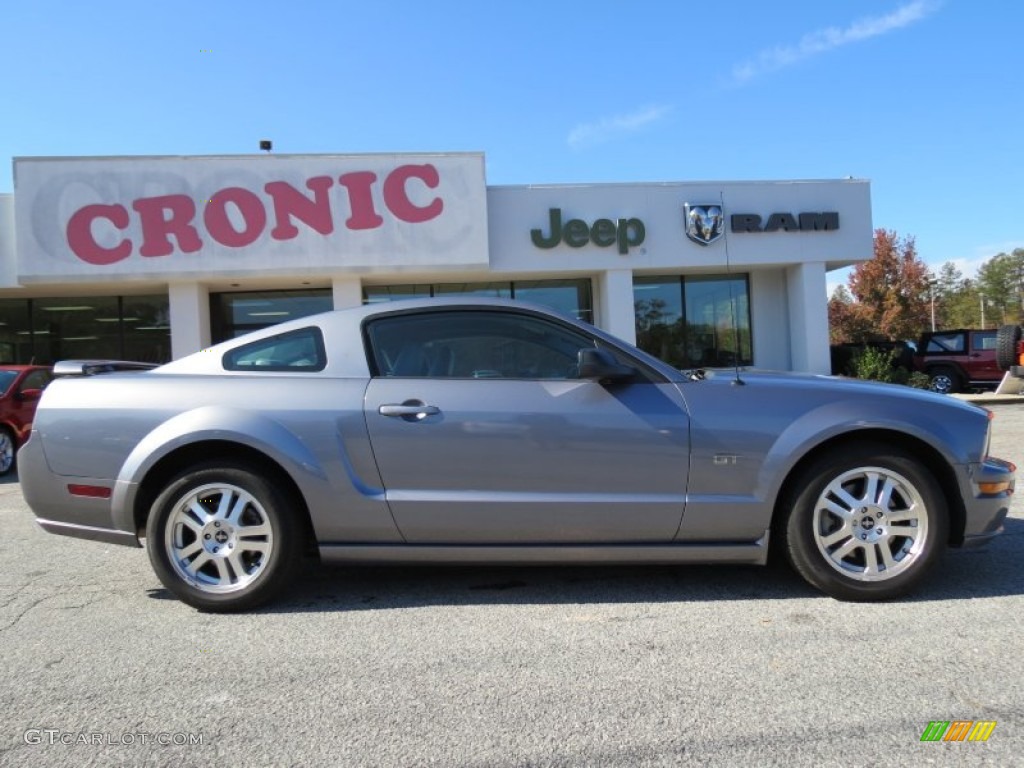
506 667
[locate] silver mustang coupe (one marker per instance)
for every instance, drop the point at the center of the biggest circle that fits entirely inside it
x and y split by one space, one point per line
477 431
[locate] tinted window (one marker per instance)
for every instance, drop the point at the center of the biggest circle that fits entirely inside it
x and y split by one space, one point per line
301 350
573 297
6 379
694 321
36 380
234 314
985 340
469 344
946 343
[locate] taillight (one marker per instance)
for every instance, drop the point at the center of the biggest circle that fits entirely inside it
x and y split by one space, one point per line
89 491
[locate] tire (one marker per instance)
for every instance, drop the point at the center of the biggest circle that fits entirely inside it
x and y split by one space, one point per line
215 553
1007 339
8 451
865 523
944 380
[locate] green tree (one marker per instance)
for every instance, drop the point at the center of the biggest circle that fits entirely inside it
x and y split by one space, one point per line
1001 286
847 320
956 299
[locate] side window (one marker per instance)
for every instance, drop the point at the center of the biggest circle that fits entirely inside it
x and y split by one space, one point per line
947 343
36 380
473 345
301 350
986 340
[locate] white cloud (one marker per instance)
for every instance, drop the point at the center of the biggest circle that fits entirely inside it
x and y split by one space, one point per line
608 128
969 265
824 40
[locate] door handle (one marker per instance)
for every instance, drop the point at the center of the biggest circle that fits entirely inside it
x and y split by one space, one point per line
406 410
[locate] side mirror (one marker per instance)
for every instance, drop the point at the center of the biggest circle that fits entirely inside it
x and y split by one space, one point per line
597 364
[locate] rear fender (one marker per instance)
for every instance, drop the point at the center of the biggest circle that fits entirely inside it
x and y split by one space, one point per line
210 423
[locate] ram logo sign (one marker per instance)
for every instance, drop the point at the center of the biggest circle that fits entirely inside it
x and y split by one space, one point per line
809 221
704 223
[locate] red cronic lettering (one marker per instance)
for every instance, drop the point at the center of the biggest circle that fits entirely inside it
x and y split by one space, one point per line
215 216
156 227
360 197
289 202
84 245
397 199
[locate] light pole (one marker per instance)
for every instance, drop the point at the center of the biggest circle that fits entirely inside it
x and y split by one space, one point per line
982 297
931 297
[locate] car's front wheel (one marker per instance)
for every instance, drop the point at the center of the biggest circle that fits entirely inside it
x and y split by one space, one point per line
865 523
223 538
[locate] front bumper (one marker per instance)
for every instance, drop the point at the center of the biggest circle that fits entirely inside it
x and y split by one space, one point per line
986 512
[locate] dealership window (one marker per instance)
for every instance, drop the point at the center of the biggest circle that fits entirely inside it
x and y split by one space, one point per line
571 297
232 314
693 321
43 331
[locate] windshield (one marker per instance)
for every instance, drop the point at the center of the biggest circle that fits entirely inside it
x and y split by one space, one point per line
6 380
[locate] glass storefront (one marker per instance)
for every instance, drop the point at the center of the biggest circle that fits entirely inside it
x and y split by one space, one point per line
232 314
572 297
43 331
694 321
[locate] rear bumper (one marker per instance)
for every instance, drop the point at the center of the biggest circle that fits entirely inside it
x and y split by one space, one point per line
58 511
108 535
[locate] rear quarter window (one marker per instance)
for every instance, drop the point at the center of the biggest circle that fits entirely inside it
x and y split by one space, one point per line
294 351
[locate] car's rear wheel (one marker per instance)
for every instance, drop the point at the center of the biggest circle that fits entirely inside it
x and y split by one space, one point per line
1007 339
223 538
7 451
865 523
944 380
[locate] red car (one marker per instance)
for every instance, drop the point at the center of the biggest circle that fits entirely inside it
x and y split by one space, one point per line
958 359
21 386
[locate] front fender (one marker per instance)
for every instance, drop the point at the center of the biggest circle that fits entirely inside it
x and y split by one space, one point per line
845 418
199 425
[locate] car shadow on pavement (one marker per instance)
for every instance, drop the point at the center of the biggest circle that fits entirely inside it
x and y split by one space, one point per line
960 575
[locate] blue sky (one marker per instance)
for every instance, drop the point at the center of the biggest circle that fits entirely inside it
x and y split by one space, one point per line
922 97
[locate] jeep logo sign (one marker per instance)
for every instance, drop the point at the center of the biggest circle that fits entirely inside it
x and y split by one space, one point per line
576 233
827 221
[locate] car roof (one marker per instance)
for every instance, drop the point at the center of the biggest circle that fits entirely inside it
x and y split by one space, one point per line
347 354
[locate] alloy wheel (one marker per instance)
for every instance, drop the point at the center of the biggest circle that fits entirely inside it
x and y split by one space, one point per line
219 538
870 524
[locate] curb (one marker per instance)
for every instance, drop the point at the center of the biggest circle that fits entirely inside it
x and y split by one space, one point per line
989 398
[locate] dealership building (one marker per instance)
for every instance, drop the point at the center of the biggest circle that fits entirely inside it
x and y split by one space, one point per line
153 258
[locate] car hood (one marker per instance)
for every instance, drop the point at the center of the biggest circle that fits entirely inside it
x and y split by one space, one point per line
836 385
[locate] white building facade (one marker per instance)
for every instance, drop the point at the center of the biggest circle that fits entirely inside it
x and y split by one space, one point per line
152 258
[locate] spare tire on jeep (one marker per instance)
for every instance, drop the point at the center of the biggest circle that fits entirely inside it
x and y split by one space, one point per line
1007 340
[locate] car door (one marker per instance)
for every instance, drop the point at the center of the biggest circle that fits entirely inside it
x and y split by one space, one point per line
25 399
484 434
982 365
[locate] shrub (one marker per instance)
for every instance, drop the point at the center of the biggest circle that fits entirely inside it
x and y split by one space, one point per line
918 380
878 365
